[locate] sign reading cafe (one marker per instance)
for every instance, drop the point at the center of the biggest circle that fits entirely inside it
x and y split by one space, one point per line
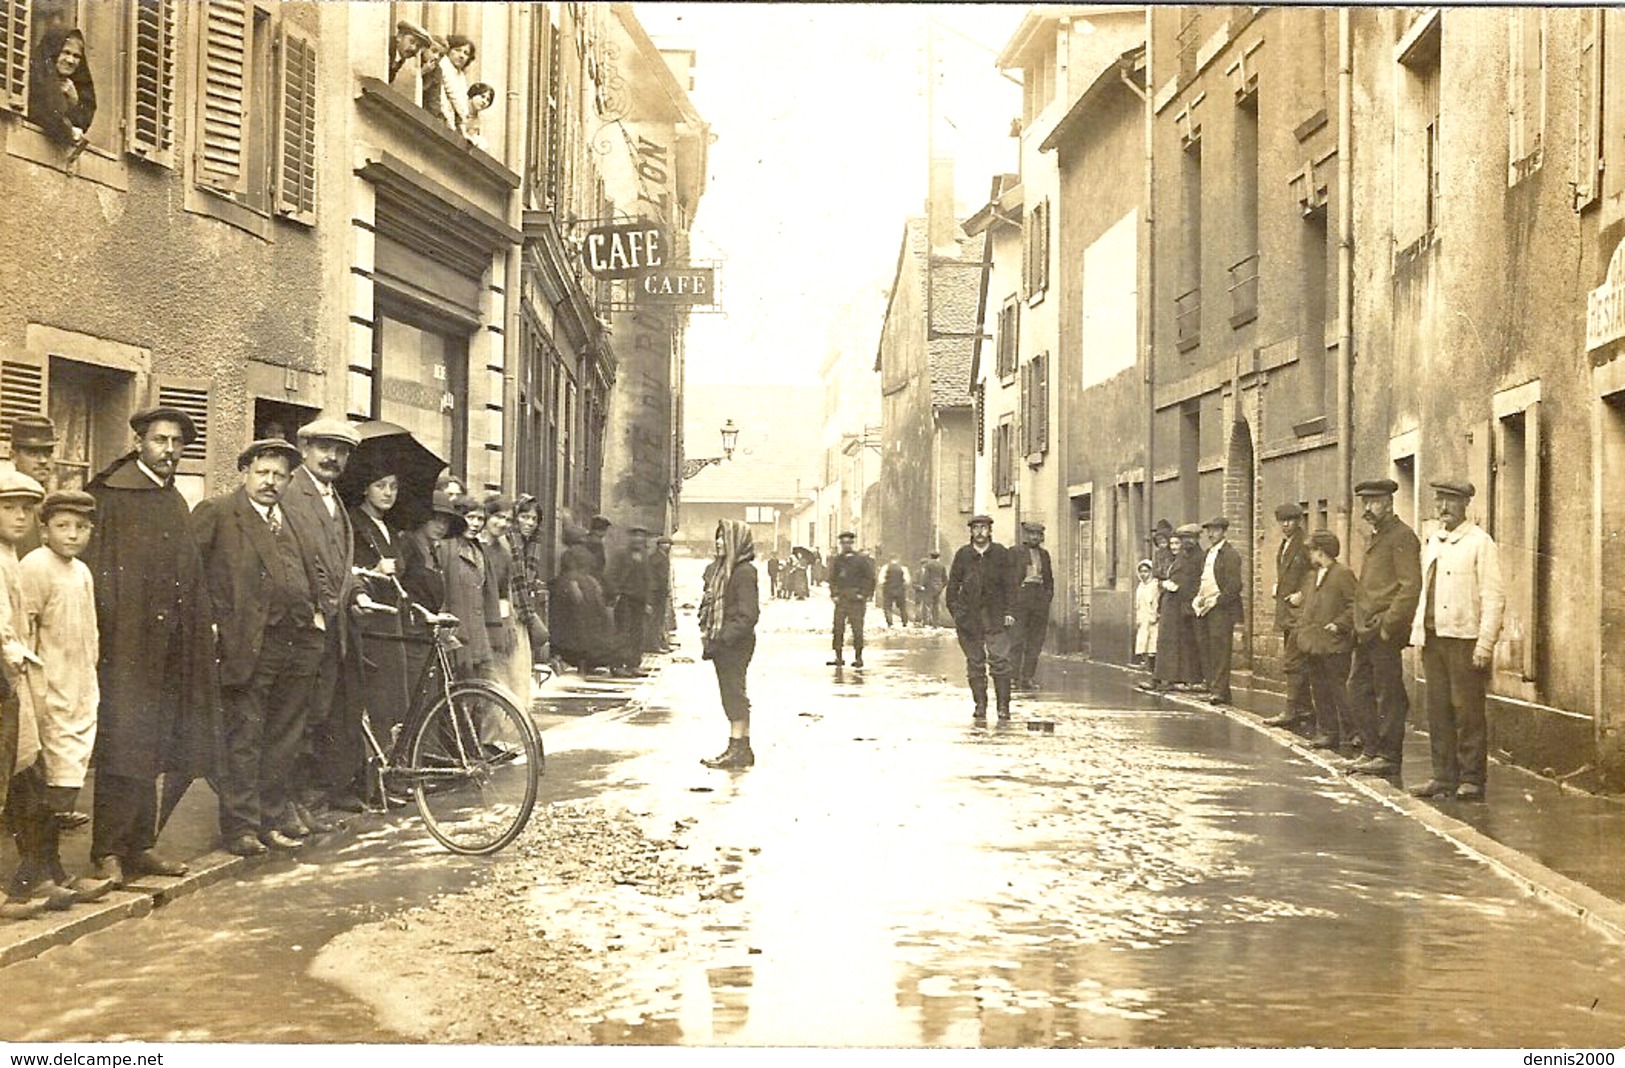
624 250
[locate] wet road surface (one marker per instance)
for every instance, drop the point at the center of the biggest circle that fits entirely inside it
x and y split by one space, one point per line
1146 876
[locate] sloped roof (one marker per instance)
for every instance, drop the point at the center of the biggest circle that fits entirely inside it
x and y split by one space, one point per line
955 290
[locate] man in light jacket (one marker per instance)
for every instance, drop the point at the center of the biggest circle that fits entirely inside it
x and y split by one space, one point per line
1462 605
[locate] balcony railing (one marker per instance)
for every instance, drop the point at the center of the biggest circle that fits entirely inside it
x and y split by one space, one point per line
1188 319
1244 290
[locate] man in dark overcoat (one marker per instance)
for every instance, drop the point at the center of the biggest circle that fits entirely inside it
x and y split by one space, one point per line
159 712
1292 567
851 584
1390 590
933 577
981 598
1035 590
328 771
268 644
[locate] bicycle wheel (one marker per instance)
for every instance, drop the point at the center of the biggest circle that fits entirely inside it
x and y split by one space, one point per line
476 761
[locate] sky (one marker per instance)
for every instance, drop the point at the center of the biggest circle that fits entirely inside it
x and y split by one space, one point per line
819 114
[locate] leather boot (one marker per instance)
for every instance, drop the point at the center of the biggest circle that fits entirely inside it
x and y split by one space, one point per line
978 693
1001 694
857 656
721 760
743 756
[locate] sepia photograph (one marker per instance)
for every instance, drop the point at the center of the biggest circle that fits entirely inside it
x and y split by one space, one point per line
592 528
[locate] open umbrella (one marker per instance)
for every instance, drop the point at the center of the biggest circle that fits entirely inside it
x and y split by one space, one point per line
387 449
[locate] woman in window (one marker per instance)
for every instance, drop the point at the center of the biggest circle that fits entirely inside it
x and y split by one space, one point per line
61 95
450 102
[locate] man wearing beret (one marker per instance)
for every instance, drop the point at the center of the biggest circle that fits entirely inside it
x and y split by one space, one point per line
1390 587
1462 605
1218 608
269 645
851 584
328 772
33 453
1292 567
1035 589
159 711
981 598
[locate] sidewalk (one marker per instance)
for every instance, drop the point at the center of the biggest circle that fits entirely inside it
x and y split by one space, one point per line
1562 844
192 832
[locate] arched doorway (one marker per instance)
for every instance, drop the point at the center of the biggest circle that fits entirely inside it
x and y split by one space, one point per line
1240 478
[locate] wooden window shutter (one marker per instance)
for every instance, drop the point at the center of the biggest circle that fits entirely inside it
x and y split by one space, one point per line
1041 402
1042 266
24 383
223 96
1531 533
190 395
15 17
296 140
981 418
1588 134
149 103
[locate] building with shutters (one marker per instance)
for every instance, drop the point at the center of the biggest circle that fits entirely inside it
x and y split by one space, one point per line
268 222
178 258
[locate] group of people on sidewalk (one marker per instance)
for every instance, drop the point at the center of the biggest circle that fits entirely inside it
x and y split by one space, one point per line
1344 635
240 641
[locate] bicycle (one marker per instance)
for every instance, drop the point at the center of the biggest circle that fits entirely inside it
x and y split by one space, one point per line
466 753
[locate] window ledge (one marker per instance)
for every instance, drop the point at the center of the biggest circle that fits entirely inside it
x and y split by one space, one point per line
26 141
1035 299
1242 318
378 97
1187 344
223 208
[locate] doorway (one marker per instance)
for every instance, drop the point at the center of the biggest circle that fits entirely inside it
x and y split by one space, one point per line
89 405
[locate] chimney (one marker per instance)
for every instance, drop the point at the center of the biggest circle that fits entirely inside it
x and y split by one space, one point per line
941 226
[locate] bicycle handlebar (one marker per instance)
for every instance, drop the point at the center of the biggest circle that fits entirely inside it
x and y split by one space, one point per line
428 617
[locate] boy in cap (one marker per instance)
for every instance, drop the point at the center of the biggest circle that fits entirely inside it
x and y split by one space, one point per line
19 727
1462 605
59 595
1325 633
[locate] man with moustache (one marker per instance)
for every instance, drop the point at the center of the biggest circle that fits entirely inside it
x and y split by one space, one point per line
159 711
1390 586
268 644
328 771
1462 605
981 598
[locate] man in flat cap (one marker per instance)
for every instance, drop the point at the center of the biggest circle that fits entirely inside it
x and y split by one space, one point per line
1218 607
1292 567
327 772
1390 587
851 584
159 711
933 579
1035 589
407 44
1462 605
33 453
269 645
981 598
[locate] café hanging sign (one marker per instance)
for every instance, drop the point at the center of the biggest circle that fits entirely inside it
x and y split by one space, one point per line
624 250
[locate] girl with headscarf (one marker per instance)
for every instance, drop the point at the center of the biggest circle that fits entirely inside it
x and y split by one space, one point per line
61 95
728 612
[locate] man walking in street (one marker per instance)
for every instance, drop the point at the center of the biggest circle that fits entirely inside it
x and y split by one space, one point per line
894 591
851 584
1035 589
981 599
1462 605
1390 587
933 577
634 587
1218 608
658 630
327 773
269 645
159 711
1292 567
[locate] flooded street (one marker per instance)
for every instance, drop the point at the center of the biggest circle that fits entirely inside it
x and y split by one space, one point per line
887 875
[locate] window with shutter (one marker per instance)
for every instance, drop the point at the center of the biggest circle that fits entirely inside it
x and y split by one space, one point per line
1588 112
150 101
296 140
981 418
192 397
14 48
1041 403
1526 91
223 96
22 388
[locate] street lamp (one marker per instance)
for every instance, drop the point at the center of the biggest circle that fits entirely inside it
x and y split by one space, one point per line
730 437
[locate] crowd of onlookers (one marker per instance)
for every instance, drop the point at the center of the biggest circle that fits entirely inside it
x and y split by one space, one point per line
434 73
240 641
